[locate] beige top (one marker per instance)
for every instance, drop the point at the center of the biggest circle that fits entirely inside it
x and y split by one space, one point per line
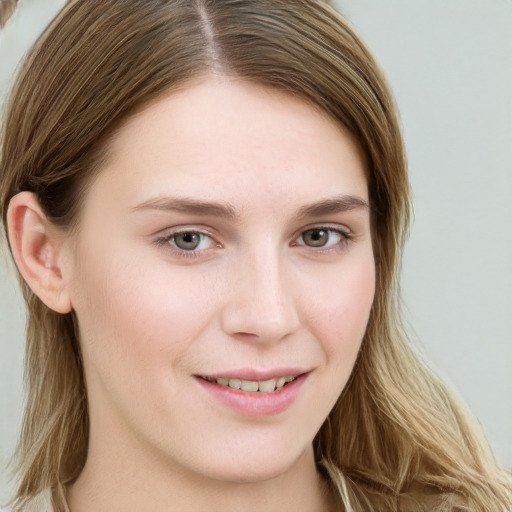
40 503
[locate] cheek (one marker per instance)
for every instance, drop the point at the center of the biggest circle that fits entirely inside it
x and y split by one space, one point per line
134 317
339 313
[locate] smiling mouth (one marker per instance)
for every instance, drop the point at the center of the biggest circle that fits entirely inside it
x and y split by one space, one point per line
253 386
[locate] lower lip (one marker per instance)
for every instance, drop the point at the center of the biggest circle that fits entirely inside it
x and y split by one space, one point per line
255 404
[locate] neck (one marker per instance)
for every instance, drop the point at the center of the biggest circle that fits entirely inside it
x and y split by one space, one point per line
121 480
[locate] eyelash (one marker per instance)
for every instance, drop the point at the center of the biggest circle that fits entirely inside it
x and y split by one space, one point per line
167 241
345 238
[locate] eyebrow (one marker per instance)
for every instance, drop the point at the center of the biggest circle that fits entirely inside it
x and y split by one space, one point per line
187 205
329 206
333 205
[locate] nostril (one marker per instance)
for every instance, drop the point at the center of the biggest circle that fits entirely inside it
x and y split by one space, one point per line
262 308
245 336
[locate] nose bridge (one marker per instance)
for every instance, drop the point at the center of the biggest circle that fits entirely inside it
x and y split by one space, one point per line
261 304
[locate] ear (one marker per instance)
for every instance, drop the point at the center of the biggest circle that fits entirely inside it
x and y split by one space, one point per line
36 246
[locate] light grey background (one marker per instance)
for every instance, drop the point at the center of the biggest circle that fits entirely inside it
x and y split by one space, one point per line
450 65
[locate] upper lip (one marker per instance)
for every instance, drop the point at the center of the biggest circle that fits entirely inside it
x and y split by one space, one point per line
256 375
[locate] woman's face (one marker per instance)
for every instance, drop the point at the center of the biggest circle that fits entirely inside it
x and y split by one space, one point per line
226 243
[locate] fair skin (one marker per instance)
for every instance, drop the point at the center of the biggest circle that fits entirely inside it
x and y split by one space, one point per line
227 237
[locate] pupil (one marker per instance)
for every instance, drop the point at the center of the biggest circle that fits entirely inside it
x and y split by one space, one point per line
187 241
316 237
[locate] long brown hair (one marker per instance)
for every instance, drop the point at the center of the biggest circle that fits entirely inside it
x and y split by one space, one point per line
397 439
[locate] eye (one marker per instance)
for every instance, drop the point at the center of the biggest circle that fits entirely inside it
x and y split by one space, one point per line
188 241
322 237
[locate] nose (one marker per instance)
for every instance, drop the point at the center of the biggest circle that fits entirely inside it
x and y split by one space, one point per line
261 305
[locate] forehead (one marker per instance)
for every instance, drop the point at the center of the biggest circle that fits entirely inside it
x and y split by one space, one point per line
222 138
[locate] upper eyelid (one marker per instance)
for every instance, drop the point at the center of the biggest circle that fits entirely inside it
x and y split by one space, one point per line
344 235
172 236
164 240
341 228
203 230
169 232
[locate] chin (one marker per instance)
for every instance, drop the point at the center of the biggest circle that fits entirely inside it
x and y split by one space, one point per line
265 467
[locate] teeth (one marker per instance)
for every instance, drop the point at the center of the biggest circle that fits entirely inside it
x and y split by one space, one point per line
263 386
281 382
234 383
249 385
267 386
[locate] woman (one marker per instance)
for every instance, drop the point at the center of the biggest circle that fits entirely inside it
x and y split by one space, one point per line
207 201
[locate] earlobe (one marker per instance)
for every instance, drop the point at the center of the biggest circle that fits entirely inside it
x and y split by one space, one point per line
36 248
